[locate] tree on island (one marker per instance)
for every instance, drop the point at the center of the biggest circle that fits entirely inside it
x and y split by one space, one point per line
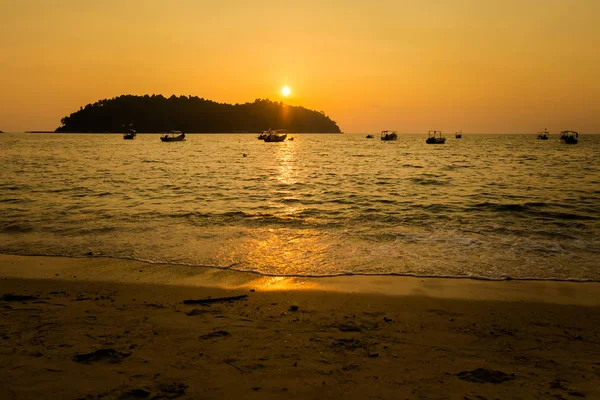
156 113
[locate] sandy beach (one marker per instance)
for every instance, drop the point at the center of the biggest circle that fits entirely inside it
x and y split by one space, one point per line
99 328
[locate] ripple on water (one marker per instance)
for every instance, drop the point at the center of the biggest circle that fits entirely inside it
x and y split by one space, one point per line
492 207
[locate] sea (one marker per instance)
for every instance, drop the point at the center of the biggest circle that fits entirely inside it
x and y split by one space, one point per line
482 207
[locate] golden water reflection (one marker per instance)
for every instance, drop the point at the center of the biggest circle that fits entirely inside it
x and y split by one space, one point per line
286 158
281 283
279 251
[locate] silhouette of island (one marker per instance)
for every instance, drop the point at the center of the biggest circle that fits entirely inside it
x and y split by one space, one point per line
157 113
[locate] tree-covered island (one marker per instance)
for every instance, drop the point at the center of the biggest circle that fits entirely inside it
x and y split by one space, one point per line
192 114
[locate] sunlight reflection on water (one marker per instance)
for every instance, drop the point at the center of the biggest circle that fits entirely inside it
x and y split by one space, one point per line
279 251
484 206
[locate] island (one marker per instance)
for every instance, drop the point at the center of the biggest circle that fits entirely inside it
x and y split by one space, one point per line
156 113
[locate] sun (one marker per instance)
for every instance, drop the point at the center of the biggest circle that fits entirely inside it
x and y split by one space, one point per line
285 91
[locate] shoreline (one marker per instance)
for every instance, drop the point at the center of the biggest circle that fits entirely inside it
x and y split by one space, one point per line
132 271
102 329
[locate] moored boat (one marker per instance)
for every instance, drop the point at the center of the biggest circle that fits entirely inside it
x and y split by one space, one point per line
569 137
264 134
275 137
458 135
370 136
435 137
130 134
543 135
389 135
278 135
173 136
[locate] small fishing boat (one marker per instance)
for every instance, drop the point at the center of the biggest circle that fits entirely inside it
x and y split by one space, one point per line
264 134
458 135
435 137
130 134
389 135
569 137
275 137
543 135
370 136
278 135
173 136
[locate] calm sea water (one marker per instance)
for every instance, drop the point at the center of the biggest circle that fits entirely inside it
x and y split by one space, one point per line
486 206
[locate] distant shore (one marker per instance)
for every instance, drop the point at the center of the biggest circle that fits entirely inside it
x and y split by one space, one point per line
157 113
113 329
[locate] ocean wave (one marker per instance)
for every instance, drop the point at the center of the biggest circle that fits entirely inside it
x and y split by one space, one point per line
425 181
498 204
533 209
304 218
16 201
14 228
497 207
12 187
79 231
549 215
412 166
456 167
235 267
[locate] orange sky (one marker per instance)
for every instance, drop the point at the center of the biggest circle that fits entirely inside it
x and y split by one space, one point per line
408 65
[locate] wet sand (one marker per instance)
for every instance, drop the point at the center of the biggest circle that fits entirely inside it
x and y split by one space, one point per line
96 328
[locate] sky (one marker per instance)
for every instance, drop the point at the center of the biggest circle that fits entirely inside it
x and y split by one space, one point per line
480 66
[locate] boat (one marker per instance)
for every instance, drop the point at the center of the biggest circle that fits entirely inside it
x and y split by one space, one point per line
389 135
370 136
543 135
274 137
173 136
569 137
278 135
458 135
435 137
264 134
130 134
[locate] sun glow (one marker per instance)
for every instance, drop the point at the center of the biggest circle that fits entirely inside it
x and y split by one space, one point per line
285 91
